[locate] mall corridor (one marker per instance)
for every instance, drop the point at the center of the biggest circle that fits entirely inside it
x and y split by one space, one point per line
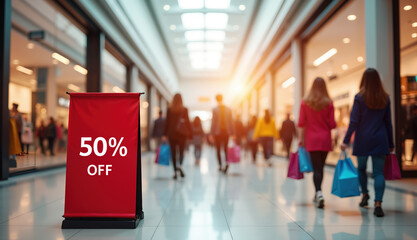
251 202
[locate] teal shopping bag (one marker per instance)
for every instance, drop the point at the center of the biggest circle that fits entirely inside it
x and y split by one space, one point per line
345 181
164 155
304 160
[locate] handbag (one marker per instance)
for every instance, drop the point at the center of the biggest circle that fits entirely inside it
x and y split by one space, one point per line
345 180
294 168
163 155
233 154
304 160
391 168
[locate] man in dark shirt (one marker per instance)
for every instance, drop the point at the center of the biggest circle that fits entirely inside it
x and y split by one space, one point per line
158 129
287 133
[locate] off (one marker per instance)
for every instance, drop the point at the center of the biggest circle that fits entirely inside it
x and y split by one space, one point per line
93 170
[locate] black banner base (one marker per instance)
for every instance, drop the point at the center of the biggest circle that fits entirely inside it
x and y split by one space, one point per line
101 223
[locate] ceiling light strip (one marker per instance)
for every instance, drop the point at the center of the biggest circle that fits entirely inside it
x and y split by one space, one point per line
325 57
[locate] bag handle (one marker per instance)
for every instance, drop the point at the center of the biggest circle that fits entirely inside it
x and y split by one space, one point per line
343 154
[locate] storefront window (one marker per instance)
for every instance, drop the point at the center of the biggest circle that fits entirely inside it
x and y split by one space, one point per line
114 74
337 54
408 73
284 98
41 72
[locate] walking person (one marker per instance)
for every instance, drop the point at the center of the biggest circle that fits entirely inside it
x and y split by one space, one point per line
41 134
51 134
316 121
158 129
252 143
177 130
265 132
15 114
370 119
239 130
221 129
287 133
198 137
27 134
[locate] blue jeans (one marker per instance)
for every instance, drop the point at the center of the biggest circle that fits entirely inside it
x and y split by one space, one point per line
267 145
377 173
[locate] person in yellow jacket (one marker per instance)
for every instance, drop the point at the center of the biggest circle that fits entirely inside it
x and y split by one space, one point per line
265 132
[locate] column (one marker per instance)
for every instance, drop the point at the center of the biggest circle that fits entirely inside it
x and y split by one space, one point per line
95 47
51 91
152 112
132 76
5 24
297 66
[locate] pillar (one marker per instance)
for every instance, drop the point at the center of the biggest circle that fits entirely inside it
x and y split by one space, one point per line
95 47
297 66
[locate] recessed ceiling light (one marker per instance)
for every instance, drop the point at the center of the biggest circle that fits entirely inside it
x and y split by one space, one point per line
216 20
60 58
360 59
15 62
215 35
414 35
31 45
172 27
407 7
167 7
324 57
346 40
217 4
80 69
192 20
24 70
345 66
351 17
288 82
191 4
414 24
194 35
242 7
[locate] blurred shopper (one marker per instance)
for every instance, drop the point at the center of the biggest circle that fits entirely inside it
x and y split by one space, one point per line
41 134
239 130
252 143
221 129
158 129
370 119
15 114
316 121
198 139
265 132
287 133
177 130
51 135
27 134
62 142
14 143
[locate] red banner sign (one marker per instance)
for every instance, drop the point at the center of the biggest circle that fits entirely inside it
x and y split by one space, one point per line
102 155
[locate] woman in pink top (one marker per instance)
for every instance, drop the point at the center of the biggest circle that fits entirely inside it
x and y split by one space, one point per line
316 120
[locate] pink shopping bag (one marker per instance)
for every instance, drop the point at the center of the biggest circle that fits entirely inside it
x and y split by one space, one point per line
157 152
294 167
233 154
391 168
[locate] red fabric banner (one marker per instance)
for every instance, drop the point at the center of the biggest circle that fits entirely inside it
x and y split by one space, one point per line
102 155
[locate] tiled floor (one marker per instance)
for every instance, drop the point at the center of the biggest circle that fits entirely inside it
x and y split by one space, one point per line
251 202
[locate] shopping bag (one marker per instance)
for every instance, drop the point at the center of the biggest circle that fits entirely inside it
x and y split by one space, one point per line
391 168
163 155
304 160
158 150
345 180
233 154
294 168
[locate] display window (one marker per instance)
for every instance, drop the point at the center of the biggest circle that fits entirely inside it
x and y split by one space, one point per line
114 74
336 53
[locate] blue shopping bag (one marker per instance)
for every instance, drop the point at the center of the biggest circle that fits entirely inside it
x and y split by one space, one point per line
164 155
345 181
304 160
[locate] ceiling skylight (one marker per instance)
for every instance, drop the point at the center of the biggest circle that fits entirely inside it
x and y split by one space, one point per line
215 35
217 4
194 35
191 4
216 20
196 46
214 46
192 20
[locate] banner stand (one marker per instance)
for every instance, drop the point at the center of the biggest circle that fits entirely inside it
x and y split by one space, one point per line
114 223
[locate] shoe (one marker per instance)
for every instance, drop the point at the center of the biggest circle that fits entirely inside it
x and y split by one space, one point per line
181 172
315 199
378 212
175 176
220 169
226 168
270 164
320 202
364 201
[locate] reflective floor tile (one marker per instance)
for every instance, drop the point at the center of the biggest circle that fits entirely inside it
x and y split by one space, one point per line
193 233
36 233
140 233
267 233
194 218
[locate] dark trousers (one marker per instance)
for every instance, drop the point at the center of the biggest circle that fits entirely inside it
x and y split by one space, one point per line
51 142
25 146
221 142
318 158
287 145
41 143
197 151
177 148
253 147
267 146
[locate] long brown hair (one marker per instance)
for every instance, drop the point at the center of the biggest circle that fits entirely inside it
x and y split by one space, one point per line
267 116
318 97
372 91
176 104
